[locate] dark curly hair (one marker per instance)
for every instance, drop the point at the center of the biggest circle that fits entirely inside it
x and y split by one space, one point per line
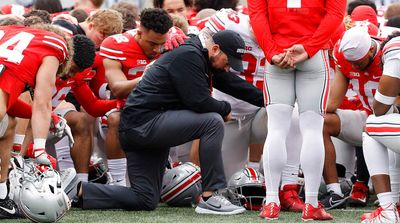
155 19
352 5
42 14
84 51
393 35
160 3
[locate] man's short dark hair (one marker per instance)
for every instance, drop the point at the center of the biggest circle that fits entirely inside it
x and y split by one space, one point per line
352 5
80 14
160 3
51 6
155 19
394 22
84 51
128 18
215 4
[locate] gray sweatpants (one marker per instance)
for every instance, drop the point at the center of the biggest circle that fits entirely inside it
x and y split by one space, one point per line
147 149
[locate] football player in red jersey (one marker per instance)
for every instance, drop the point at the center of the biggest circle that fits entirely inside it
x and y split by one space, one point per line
294 36
347 124
96 27
125 58
28 56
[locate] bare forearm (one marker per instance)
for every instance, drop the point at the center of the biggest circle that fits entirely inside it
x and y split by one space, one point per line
122 89
41 113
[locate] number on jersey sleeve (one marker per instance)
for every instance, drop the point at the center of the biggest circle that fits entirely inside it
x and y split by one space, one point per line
20 42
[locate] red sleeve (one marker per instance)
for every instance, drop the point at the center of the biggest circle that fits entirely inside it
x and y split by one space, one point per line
94 106
335 10
258 13
20 109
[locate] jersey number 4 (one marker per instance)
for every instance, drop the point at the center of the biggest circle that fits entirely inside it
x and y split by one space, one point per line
19 43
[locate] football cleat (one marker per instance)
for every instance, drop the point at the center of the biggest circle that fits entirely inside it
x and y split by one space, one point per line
359 195
311 213
388 214
270 211
289 198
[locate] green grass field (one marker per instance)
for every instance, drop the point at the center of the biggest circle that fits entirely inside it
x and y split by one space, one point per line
170 214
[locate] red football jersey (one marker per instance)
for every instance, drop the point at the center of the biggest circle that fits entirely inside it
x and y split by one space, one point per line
22 50
364 82
98 84
63 87
125 49
279 24
79 85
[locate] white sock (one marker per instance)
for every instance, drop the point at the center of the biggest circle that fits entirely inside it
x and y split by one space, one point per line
289 175
335 187
373 152
394 173
63 152
312 154
117 169
294 141
19 139
274 155
385 199
3 190
253 165
83 177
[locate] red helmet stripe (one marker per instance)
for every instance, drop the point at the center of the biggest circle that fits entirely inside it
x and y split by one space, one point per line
181 187
252 173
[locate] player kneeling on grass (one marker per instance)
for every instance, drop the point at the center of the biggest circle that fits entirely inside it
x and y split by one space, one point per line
382 133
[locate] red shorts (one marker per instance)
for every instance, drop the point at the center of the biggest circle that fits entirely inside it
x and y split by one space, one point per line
12 86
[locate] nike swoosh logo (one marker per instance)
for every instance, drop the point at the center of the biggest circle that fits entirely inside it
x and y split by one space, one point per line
10 211
332 202
215 206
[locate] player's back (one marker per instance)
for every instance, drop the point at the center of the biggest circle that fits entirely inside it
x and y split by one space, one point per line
22 50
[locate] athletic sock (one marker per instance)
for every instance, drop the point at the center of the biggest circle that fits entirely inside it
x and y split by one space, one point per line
335 187
117 169
274 155
3 190
83 177
312 154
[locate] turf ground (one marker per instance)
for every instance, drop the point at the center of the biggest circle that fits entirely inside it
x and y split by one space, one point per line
170 214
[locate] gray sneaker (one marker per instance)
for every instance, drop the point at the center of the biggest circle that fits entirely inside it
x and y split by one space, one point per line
218 204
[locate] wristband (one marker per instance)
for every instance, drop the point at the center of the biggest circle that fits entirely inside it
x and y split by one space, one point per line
387 100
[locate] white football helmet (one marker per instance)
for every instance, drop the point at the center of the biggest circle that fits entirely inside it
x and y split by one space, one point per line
181 185
41 197
15 177
249 183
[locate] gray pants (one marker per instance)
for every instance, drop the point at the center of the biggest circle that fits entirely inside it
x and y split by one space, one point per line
147 149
